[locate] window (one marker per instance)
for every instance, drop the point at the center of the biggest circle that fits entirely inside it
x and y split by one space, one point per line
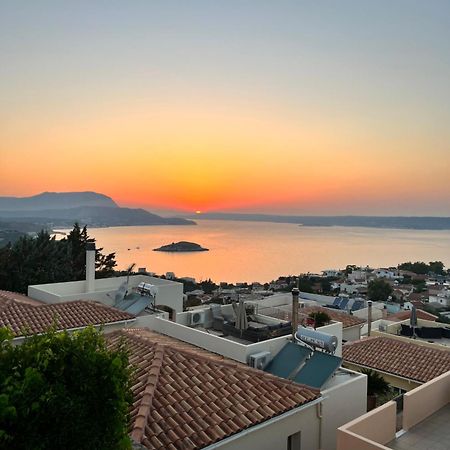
294 441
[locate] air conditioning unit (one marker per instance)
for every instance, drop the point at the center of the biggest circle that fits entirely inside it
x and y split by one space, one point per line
259 360
197 317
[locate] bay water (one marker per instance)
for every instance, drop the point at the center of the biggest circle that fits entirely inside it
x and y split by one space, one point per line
262 251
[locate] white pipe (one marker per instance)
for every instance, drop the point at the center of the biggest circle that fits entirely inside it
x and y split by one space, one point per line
320 417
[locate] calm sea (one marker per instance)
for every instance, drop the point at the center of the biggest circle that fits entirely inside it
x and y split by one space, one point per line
260 251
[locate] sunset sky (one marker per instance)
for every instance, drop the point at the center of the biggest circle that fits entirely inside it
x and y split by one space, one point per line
308 107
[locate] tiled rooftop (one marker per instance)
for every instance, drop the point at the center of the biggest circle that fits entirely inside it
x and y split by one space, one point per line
187 398
23 318
405 315
284 312
8 295
405 359
346 319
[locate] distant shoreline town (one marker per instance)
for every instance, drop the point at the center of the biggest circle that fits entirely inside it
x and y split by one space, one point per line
427 286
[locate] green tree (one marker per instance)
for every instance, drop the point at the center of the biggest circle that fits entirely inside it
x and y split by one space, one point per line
349 269
320 318
418 267
208 286
64 391
420 287
379 290
43 259
325 285
376 385
76 241
437 267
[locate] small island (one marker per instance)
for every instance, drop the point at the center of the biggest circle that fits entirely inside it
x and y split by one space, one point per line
181 246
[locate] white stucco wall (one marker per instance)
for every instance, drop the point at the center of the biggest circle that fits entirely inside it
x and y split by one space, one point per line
351 334
273 434
170 293
223 346
363 313
202 339
342 402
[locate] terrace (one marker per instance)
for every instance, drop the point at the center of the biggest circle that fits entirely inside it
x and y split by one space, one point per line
431 434
425 331
105 290
423 422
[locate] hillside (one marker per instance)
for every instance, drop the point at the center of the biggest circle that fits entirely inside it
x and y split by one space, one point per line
53 209
55 200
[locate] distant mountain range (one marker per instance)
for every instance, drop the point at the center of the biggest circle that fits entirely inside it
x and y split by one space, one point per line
413 223
60 209
55 200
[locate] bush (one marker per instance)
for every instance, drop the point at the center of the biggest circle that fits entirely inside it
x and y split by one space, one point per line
320 318
376 385
63 391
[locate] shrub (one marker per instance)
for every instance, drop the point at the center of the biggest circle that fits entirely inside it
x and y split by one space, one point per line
320 318
63 391
376 385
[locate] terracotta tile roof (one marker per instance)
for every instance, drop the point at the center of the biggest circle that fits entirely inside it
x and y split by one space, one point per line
177 344
417 296
338 316
8 295
417 303
405 315
405 359
281 313
188 398
23 318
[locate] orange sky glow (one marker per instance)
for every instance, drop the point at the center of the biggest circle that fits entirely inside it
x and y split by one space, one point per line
263 115
185 158
210 159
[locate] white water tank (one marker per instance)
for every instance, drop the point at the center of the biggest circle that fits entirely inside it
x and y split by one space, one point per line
317 339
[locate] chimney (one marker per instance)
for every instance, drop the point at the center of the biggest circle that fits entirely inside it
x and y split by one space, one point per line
295 294
90 266
369 317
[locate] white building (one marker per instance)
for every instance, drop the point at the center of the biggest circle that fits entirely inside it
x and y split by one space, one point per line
313 426
442 297
331 273
387 273
108 290
357 275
